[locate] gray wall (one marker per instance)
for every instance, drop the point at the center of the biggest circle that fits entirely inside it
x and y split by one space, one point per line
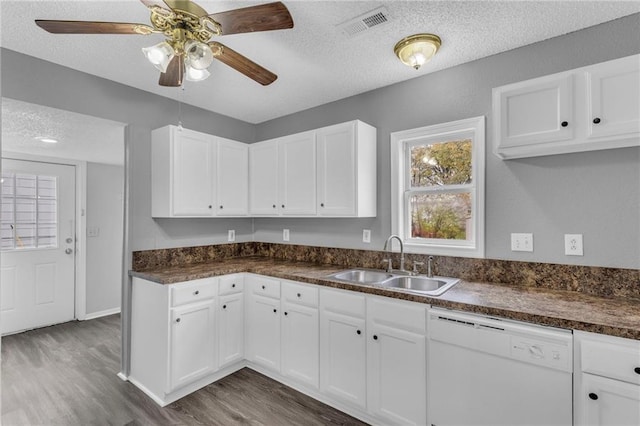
32 80
105 186
596 194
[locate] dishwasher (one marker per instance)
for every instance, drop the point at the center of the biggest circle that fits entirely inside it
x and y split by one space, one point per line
489 371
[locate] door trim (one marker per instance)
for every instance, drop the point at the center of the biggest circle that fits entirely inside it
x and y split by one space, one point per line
81 219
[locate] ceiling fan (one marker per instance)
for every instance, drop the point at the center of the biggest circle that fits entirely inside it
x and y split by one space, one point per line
188 28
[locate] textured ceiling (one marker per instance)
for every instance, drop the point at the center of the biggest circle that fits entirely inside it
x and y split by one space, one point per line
80 137
316 63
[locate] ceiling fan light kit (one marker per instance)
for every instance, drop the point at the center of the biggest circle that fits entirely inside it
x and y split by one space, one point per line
417 49
188 52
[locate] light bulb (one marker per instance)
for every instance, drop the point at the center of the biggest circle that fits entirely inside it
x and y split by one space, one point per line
194 74
198 54
159 55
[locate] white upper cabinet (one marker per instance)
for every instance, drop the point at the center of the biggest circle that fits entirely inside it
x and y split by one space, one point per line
263 178
347 170
232 178
614 98
197 175
297 170
329 171
590 108
181 173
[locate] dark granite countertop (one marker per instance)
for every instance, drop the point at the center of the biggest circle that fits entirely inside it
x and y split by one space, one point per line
564 309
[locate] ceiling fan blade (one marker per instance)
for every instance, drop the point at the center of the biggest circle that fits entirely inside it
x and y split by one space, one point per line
186 6
88 27
175 73
242 64
265 17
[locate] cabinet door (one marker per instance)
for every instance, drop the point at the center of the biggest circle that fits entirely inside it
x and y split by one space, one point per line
300 343
297 188
263 331
232 178
534 112
192 162
263 178
396 385
231 329
337 170
614 103
608 402
192 343
342 358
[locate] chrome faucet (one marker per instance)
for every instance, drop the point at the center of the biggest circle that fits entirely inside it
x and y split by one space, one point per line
386 243
430 267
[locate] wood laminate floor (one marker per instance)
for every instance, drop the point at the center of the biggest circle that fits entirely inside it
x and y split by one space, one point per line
66 375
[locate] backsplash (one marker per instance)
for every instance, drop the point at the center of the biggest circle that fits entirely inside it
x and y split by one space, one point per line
608 282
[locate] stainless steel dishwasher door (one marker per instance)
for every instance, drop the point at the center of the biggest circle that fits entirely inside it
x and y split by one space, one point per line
485 371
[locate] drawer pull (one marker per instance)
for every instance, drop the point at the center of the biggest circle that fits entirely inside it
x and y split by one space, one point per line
299 295
596 120
375 337
224 306
593 396
233 285
275 310
197 292
637 370
564 124
358 332
177 319
286 313
263 287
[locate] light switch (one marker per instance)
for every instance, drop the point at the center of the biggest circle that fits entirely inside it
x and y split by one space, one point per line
521 242
285 235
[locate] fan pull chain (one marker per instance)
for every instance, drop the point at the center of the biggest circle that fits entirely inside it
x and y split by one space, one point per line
180 107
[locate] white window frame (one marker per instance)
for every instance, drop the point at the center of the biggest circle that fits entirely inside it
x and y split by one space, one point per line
401 141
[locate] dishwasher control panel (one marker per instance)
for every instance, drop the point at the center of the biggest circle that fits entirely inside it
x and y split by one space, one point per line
540 352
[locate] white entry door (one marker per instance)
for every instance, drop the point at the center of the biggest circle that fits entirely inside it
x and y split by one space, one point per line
38 245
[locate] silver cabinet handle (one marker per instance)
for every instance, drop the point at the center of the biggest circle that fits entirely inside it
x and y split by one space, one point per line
69 240
68 251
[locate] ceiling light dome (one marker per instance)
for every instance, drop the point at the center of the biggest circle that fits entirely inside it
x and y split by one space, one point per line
198 55
417 49
159 55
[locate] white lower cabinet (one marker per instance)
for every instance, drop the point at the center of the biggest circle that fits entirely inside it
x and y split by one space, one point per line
192 326
263 322
300 334
343 373
231 320
396 361
607 380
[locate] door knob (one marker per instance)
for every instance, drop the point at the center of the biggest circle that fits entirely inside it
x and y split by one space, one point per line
68 251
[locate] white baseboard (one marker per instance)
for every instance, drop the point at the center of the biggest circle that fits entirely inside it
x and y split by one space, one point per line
104 313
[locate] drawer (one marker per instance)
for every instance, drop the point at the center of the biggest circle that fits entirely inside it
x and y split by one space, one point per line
343 302
193 291
300 293
230 284
615 358
263 286
409 316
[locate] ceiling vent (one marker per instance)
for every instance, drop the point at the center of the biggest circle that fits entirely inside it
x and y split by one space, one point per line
365 22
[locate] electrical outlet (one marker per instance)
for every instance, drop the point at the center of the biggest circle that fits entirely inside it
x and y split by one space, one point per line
366 235
232 235
285 235
573 245
93 231
521 242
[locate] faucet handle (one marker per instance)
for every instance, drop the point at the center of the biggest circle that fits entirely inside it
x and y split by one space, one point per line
415 267
389 264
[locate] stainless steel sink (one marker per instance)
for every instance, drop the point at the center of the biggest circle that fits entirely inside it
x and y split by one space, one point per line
361 276
419 284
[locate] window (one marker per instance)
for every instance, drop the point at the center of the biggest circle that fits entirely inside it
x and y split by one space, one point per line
437 188
29 211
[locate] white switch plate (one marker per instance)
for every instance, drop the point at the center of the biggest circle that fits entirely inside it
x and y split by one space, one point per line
93 231
232 235
366 235
285 235
521 242
573 245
